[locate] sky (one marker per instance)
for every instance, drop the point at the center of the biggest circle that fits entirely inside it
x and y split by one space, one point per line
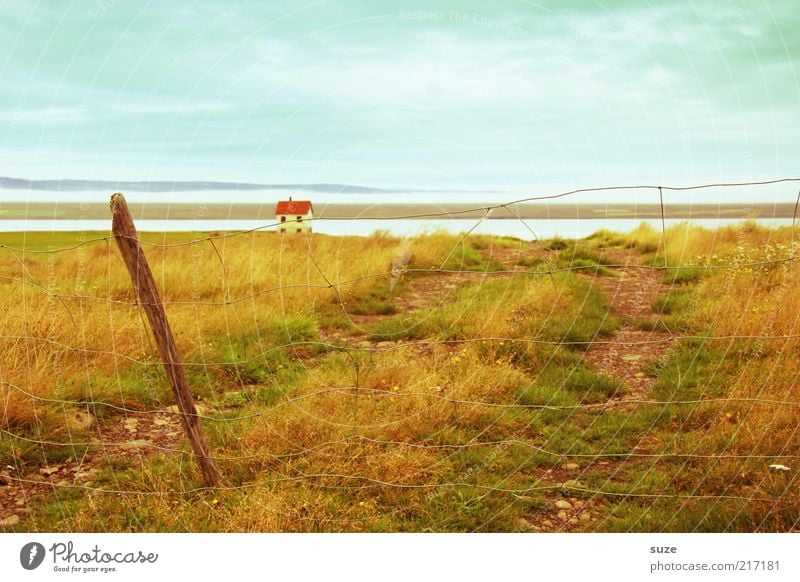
524 97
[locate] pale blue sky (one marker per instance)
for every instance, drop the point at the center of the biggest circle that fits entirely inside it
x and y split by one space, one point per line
515 95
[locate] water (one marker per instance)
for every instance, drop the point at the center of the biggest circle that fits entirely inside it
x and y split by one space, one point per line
768 193
529 230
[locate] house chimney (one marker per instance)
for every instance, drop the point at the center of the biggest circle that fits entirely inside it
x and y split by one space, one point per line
290 198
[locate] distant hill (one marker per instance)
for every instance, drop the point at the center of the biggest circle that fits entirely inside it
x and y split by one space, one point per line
169 186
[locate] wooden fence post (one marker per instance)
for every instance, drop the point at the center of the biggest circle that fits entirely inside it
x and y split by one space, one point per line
124 233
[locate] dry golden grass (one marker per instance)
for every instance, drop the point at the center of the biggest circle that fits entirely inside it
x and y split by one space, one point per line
404 437
52 337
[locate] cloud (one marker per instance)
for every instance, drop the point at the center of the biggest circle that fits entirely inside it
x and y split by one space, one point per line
478 92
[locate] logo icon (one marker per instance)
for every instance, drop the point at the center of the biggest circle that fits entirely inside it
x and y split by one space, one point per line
31 555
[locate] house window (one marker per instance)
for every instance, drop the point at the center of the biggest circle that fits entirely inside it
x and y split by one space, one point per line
283 219
299 230
299 219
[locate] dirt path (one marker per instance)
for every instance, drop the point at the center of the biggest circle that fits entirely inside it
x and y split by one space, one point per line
425 292
130 439
420 293
624 357
626 354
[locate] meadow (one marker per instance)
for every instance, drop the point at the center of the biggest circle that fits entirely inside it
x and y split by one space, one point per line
623 382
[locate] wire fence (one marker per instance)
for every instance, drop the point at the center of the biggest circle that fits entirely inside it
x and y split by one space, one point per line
100 442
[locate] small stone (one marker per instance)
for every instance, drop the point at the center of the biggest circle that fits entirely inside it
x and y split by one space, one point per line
578 503
573 483
640 375
135 445
573 521
160 422
562 515
9 521
585 516
47 471
20 503
562 504
631 358
572 466
63 483
547 523
80 421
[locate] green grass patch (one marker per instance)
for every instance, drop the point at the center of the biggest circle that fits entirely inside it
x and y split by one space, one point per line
256 358
580 383
678 275
375 301
473 309
486 241
643 238
582 256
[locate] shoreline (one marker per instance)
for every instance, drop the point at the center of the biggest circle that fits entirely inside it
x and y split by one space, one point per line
98 211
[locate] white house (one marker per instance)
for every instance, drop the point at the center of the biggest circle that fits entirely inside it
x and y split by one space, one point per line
294 215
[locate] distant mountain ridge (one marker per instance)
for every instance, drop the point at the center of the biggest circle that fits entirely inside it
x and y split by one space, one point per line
191 186
174 186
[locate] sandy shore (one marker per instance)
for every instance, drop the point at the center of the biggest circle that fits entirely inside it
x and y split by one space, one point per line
75 211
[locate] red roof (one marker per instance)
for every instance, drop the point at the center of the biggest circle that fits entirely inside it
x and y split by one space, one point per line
290 206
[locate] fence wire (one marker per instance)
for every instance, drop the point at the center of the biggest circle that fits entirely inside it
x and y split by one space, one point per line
19 475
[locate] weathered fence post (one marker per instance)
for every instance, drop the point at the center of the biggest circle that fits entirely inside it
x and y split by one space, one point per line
124 233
